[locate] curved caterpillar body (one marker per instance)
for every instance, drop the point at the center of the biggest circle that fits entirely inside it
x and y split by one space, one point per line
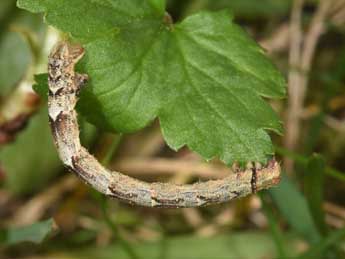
64 87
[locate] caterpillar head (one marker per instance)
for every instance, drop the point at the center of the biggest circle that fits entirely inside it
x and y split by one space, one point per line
64 56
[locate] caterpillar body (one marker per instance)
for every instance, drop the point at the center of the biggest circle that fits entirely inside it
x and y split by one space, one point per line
64 87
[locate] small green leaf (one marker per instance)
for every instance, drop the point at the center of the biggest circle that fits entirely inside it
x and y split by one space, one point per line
14 59
15 53
159 5
313 188
292 204
204 78
34 233
41 86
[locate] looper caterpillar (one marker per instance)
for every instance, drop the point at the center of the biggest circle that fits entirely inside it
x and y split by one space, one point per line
64 87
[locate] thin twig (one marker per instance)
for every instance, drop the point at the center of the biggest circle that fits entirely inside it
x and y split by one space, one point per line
36 207
334 209
334 221
278 40
317 28
162 166
301 58
293 78
336 124
338 12
224 218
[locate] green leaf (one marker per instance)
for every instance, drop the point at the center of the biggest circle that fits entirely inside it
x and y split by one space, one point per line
41 86
31 161
32 6
14 60
245 8
313 188
159 5
15 53
34 233
294 207
204 78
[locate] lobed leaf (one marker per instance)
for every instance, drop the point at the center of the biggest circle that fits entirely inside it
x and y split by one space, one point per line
204 78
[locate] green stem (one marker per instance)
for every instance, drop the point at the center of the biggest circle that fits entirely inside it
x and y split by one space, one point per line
274 227
105 161
116 139
126 246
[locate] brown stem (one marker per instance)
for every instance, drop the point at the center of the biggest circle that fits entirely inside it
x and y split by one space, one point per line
301 57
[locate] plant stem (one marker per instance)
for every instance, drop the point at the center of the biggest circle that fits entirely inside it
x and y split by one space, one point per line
115 141
274 227
126 246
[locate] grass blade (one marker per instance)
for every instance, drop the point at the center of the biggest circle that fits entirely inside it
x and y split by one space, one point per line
295 210
313 188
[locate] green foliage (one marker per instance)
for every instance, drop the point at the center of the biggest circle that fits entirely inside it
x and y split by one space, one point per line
159 5
250 245
6 7
41 86
21 160
294 207
167 67
276 232
32 159
304 211
245 8
35 233
15 54
319 249
204 78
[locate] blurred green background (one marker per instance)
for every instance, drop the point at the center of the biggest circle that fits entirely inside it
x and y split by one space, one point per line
46 212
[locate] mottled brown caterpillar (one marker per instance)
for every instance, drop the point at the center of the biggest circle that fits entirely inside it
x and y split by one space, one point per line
64 87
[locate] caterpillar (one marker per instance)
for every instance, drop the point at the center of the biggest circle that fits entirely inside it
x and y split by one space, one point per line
64 88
